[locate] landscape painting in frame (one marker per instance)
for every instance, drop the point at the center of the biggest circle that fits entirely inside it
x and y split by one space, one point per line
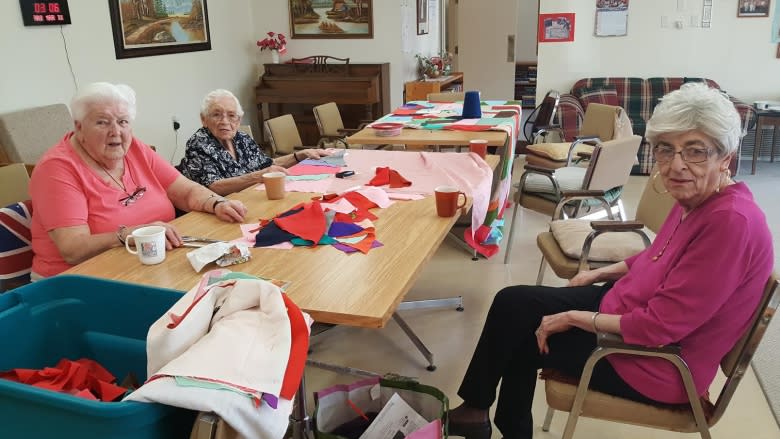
159 27
331 19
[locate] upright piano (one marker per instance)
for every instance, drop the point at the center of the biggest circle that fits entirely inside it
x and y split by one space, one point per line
361 91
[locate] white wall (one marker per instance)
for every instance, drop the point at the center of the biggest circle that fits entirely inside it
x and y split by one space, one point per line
395 39
35 68
525 37
735 52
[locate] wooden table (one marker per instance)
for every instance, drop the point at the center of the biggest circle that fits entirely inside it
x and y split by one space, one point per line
415 137
333 287
770 118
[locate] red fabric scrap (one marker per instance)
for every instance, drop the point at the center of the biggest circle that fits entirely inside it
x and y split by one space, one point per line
84 378
386 175
299 348
308 224
358 200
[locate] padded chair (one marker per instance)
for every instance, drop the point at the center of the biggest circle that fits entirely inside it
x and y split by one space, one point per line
26 134
696 416
15 245
450 96
14 183
541 122
573 245
601 123
331 126
246 129
598 185
283 135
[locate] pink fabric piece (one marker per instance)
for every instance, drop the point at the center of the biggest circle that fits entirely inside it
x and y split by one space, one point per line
311 170
426 171
377 195
407 197
341 206
318 186
429 431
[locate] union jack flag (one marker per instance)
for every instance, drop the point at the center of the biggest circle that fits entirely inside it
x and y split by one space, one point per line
15 248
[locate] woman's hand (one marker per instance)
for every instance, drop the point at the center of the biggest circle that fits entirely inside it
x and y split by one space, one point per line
172 236
231 211
550 325
272 168
314 154
584 278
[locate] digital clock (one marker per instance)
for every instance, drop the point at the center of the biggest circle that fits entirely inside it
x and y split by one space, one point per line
38 13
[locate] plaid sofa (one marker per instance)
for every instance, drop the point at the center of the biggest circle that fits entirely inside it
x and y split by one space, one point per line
638 96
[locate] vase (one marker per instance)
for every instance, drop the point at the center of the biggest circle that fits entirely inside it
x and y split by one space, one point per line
275 56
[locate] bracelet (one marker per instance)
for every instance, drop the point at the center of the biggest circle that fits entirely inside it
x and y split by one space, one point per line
295 154
119 232
214 206
203 206
593 320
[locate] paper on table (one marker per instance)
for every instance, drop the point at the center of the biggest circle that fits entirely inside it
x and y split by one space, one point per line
400 196
394 418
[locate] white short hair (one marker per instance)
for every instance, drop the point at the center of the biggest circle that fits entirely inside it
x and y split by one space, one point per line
696 106
102 92
212 96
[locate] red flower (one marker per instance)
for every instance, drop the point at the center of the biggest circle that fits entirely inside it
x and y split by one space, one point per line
274 41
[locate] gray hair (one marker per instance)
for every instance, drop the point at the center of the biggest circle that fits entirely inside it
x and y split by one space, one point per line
696 106
212 96
102 92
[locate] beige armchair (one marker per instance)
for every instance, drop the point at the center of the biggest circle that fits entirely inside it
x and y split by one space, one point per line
699 415
573 245
26 134
283 135
447 96
601 123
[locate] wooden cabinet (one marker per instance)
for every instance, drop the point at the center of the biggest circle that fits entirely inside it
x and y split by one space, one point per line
418 90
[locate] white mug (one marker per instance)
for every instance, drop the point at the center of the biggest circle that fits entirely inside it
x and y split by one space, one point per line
149 244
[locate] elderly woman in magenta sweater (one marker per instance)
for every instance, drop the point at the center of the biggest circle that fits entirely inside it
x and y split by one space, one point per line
697 285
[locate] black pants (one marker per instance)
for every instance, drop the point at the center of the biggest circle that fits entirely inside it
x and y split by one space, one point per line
507 352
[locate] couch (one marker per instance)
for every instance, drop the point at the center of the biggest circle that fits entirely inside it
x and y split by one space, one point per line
638 96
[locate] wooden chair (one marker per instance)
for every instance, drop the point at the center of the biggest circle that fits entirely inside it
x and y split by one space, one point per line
321 64
283 135
597 186
573 245
698 416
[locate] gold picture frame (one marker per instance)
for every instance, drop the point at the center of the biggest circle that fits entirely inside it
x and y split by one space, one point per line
344 19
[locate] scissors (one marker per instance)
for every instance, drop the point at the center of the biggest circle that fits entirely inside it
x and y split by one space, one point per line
194 241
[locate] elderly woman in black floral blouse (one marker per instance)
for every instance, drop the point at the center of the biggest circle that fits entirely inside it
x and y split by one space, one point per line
225 160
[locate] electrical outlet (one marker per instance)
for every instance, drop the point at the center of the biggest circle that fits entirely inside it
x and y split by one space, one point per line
176 124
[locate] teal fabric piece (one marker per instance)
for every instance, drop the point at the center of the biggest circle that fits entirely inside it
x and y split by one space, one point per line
312 177
325 240
232 275
190 382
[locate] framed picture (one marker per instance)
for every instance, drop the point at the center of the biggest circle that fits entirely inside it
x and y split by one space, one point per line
337 19
556 27
778 51
422 17
753 8
159 27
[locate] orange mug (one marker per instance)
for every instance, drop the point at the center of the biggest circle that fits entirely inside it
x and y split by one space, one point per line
447 201
479 147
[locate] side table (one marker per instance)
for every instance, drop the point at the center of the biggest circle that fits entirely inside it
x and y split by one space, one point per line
765 118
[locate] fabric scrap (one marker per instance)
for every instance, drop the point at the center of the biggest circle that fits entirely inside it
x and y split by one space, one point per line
84 378
347 249
308 224
386 175
338 229
300 169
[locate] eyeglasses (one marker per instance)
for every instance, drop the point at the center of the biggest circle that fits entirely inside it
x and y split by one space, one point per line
132 198
689 154
231 117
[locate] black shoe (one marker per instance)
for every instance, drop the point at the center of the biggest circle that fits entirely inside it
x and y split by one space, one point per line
470 430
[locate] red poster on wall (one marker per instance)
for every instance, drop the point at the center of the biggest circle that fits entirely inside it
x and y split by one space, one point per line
556 27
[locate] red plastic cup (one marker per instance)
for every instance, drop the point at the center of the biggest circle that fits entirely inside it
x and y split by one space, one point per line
479 147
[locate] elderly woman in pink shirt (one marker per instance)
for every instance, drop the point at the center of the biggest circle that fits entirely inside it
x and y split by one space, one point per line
697 285
99 183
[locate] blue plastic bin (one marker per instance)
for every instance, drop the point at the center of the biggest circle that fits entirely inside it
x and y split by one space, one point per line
74 317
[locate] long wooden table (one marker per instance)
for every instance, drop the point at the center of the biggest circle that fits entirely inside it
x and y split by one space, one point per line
415 137
333 287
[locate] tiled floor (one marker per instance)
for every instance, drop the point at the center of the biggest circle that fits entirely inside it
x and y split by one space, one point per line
452 335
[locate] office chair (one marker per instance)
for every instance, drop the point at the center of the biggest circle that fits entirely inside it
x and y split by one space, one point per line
699 416
601 123
573 245
597 186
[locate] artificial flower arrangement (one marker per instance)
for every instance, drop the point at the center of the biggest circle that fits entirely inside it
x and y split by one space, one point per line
274 41
435 66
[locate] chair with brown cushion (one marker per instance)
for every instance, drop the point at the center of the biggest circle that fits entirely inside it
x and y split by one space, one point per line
699 415
26 134
283 135
601 123
573 245
331 126
449 96
598 186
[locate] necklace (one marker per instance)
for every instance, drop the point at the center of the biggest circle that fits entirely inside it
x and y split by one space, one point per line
663 249
130 198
